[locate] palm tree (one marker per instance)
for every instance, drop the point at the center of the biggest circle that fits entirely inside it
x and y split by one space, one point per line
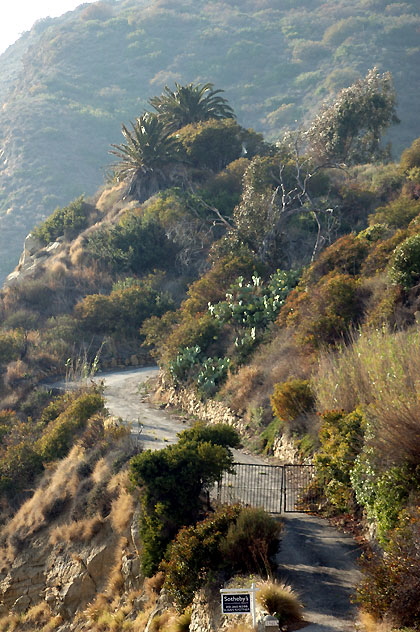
190 104
150 159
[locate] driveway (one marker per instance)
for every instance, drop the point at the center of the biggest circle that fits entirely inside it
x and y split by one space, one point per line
318 561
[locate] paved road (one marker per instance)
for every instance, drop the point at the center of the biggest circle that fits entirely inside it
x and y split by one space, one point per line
321 565
315 559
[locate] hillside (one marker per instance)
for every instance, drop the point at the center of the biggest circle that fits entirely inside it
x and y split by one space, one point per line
67 86
277 282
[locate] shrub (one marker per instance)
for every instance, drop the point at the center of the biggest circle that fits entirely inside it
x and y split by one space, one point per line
133 245
67 221
326 312
396 214
411 156
292 398
172 482
60 434
341 438
405 263
346 255
280 601
194 553
251 541
19 467
391 584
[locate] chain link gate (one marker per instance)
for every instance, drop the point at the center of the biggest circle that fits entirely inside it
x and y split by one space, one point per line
275 488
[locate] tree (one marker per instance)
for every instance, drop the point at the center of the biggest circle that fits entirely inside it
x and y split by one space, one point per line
190 104
349 131
151 159
172 482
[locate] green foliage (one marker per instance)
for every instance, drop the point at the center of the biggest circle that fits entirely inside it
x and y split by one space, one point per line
383 493
391 583
60 434
405 263
292 398
349 131
19 467
255 304
218 434
124 310
229 539
172 481
324 313
410 157
341 438
195 553
132 245
148 159
12 344
397 213
251 541
65 222
190 104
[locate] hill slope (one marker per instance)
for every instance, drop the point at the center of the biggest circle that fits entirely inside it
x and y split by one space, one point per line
69 84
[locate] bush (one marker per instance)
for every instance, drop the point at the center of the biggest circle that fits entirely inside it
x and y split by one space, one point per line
60 434
19 467
411 156
391 585
346 255
280 601
292 398
326 312
67 221
194 553
405 263
172 482
341 438
251 541
396 214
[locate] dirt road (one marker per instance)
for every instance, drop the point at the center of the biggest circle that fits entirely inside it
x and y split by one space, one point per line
316 560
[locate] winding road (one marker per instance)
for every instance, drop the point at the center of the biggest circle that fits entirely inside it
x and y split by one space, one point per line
318 561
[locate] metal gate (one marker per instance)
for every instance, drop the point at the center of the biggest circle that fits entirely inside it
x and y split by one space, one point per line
275 488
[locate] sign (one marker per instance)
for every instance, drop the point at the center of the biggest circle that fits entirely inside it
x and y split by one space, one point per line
236 603
239 601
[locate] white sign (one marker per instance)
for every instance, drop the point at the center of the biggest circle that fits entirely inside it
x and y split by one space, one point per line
239 601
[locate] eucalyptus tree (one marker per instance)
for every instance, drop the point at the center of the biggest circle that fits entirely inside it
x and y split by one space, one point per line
350 129
151 159
188 104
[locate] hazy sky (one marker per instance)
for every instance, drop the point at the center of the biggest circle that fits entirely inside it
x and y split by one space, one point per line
17 16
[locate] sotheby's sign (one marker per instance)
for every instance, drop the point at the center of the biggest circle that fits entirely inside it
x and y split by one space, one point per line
236 604
239 601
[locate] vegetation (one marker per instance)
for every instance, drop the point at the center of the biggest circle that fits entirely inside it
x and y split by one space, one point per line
173 481
79 75
266 276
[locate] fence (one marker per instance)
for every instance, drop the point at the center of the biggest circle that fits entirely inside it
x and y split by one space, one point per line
275 488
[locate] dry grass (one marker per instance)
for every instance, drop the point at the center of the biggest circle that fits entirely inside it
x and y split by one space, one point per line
47 502
153 585
369 624
122 510
77 531
275 362
380 371
280 600
102 471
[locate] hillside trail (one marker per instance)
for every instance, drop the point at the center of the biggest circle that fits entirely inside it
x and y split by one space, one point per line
318 561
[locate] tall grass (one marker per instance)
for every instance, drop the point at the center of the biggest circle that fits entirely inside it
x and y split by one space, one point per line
381 372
